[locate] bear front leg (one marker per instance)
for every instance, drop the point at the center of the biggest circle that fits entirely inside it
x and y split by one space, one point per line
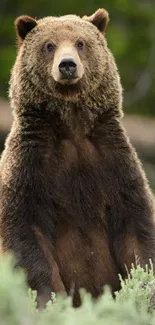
21 207
129 210
132 228
19 238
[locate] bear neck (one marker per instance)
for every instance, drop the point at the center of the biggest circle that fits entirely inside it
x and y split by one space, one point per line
77 118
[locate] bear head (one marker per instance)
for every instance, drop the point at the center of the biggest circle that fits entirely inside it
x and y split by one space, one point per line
65 60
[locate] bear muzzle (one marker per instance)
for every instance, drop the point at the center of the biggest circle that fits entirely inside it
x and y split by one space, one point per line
67 68
68 71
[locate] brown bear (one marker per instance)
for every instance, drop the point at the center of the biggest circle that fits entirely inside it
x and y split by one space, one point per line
75 205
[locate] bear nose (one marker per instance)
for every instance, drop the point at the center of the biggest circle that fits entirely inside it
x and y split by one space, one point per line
67 68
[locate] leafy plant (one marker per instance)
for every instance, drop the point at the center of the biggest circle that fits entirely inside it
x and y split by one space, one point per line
131 306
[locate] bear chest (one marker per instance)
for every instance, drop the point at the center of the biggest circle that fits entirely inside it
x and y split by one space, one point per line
77 178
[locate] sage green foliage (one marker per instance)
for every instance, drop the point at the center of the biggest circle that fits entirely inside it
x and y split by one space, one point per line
18 307
131 37
137 287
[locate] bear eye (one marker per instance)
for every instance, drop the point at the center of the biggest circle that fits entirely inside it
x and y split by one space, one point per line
50 46
80 44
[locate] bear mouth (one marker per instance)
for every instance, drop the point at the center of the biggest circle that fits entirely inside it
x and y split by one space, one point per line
68 81
68 89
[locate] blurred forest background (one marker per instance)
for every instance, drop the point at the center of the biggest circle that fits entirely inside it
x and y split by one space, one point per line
131 37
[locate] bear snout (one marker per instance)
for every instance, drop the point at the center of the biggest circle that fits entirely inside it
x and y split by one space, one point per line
67 68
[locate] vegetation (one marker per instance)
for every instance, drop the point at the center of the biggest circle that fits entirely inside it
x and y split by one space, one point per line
130 37
133 304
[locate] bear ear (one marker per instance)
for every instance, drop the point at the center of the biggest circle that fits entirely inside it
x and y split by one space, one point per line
100 19
23 25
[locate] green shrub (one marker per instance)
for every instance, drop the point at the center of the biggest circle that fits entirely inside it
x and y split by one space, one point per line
18 307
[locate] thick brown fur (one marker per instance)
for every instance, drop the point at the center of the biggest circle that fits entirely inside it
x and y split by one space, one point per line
75 205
